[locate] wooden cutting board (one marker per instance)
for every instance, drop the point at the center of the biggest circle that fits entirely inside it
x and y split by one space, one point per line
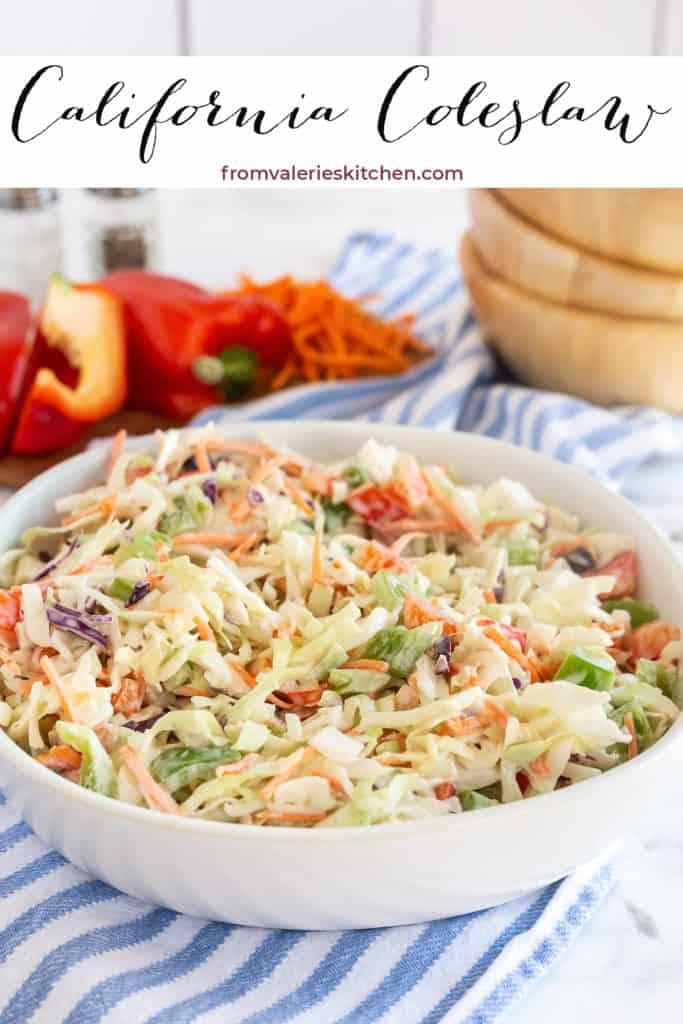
546 266
637 225
601 358
16 470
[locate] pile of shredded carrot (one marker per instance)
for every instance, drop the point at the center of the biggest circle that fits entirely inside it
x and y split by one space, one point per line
336 338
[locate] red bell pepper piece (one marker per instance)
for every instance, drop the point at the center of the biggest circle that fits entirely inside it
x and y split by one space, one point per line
375 506
15 347
171 323
624 567
81 346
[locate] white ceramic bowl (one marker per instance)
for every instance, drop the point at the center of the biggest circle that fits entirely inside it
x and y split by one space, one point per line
352 878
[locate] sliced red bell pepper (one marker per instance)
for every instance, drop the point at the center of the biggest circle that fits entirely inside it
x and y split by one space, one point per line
16 335
82 341
171 324
375 506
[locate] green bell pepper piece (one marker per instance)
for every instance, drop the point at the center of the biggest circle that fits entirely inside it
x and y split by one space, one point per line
587 668
640 611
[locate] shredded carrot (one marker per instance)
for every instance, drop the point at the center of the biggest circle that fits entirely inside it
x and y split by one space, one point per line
417 611
630 725
131 694
248 542
299 498
240 447
27 685
317 568
496 710
204 631
319 481
154 578
297 698
285 375
237 766
193 691
133 472
240 510
511 650
115 454
403 541
216 540
53 677
156 797
105 508
373 664
274 814
335 784
447 506
60 758
540 765
202 459
162 553
376 556
243 673
461 725
497 524
295 760
95 563
425 525
490 597
333 337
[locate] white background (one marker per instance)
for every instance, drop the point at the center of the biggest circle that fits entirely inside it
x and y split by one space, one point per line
342 26
569 152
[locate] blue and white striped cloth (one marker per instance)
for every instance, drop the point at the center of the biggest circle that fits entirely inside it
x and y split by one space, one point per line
74 949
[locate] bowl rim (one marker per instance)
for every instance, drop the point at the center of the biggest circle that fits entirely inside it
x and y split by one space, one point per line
23 764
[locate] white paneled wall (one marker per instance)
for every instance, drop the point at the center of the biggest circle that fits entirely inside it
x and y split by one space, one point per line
539 27
329 27
670 28
306 27
101 27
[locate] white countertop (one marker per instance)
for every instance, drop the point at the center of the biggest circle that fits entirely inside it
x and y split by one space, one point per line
625 965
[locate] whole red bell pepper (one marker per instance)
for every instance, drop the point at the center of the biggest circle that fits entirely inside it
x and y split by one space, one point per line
16 334
172 326
78 367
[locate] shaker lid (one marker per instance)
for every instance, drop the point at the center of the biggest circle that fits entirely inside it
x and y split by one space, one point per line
119 193
26 198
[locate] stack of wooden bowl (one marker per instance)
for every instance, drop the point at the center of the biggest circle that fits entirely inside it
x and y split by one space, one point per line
581 290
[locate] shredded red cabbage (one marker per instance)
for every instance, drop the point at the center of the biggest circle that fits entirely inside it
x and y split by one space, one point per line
440 652
80 623
54 562
580 559
210 488
140 590
499 589
255 497
145 724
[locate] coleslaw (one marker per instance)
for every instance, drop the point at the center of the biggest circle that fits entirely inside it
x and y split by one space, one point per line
226 630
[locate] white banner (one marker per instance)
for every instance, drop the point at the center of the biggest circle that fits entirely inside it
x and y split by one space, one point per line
272 122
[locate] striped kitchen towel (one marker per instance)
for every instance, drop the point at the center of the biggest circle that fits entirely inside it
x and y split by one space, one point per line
74 949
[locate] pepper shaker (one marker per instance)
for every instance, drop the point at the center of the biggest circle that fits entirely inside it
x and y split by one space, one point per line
123 229
30 240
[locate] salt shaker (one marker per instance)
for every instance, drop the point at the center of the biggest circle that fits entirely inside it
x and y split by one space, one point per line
123 229
30 240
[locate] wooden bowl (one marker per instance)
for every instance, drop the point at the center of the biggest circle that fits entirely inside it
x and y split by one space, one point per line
636 225
544 265
601 358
